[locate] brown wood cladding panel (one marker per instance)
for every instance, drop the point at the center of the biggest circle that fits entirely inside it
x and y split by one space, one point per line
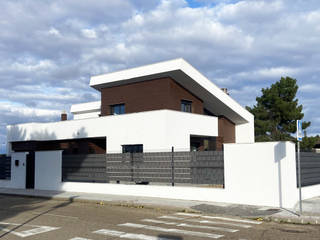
227 130
179 93
149 95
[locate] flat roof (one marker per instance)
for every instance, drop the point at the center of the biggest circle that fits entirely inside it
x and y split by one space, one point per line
214 99
86 107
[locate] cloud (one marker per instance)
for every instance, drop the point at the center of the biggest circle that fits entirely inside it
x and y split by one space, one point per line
49 49
89 33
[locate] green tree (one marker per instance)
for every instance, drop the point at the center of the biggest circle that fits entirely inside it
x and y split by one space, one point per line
308 143
276 111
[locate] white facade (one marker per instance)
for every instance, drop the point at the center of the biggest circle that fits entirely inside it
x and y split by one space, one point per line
156 130
86 110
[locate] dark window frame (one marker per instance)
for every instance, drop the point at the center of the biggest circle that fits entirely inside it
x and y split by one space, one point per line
132 148
117 109
186 106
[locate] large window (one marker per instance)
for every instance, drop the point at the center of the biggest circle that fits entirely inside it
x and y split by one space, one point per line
186 106
117 109
132 148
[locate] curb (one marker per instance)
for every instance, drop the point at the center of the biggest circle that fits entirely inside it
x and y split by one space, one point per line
304 220
128 204
315 220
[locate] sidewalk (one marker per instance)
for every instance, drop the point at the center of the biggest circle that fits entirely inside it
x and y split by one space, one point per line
311 207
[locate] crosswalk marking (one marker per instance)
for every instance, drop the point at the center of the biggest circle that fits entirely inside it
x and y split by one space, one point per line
158 221
220 223
172 230
206 221
190 225
113 233
172 217
27 233
188 214
232 219
220 218
79 238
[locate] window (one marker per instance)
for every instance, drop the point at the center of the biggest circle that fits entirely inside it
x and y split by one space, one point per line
117 109
186 106
133 148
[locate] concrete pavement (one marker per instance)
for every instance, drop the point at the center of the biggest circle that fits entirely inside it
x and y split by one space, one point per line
39 218
311 207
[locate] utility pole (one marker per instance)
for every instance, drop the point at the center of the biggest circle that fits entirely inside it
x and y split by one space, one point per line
299 138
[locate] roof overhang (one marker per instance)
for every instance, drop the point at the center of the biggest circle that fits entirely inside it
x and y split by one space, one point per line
214 99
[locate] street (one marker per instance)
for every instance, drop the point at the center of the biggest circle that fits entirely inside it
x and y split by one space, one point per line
36 218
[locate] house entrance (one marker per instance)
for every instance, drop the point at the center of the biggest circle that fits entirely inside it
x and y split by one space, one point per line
30 166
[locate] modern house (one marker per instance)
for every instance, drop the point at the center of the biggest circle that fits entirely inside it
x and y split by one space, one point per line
149 108
143 113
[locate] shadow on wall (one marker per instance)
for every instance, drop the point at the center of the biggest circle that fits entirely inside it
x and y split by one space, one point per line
43 135
279 154
15 132
12 206
18 133
80 133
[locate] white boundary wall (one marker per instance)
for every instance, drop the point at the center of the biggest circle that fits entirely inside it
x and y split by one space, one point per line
262 173
48 170
257 174
18 173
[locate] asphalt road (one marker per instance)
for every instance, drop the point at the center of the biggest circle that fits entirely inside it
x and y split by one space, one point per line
35 218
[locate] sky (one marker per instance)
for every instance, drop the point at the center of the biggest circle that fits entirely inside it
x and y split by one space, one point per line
49 49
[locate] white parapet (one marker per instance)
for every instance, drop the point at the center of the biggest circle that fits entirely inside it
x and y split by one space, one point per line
157 130
86 110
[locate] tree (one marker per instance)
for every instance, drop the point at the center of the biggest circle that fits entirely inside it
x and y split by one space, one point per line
308 143
276 111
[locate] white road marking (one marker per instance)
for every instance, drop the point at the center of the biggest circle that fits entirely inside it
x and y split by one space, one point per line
190 225
79 238
220 218
219 223
55 215
206 221
159 221
172 217
233 219
27 233
113 233
188 214
30 232
171 230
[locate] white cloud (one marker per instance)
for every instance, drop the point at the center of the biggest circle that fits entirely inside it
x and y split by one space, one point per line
54 32
310 88
89 33
273 72
26 111
29 65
